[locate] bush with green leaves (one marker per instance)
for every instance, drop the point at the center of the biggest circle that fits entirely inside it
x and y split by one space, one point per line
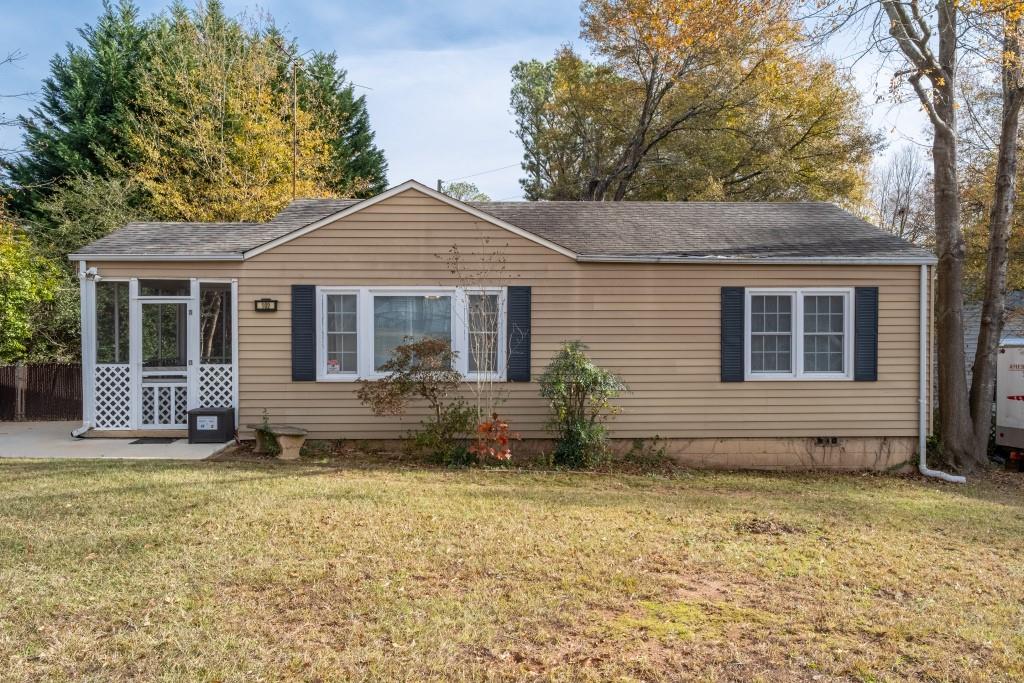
27 281
580 393
424 369
446 438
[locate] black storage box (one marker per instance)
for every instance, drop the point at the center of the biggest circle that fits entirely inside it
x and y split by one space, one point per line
211 425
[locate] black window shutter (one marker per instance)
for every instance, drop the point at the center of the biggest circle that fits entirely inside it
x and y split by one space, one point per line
733 302
303 333
519 335
865 334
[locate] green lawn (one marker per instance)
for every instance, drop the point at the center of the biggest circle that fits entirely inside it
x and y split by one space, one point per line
249 571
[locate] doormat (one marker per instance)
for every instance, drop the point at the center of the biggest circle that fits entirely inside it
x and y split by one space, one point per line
154 440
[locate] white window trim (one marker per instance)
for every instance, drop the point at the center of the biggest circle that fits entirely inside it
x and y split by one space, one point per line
797 347
365 329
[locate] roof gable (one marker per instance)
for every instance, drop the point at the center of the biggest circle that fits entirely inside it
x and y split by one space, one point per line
394 191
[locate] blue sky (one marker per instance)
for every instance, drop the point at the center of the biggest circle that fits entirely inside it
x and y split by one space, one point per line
436 73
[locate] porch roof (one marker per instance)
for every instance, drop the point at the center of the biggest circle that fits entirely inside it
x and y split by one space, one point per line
213 241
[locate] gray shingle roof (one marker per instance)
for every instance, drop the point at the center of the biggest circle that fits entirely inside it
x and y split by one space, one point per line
703 229
749 230
211 239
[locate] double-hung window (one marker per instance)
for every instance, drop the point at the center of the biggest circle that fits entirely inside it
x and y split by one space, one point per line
340 324
485 322
358 328
799 333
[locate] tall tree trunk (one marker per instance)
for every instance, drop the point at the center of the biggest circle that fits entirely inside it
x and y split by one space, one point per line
954 415
1000 221
954 411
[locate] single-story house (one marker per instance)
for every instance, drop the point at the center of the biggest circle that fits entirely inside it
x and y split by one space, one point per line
765 335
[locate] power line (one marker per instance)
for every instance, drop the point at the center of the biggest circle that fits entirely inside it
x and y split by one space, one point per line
493 170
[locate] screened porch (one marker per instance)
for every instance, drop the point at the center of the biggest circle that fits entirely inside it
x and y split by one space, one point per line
153 349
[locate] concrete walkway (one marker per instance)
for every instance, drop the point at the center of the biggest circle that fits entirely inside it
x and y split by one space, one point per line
54 440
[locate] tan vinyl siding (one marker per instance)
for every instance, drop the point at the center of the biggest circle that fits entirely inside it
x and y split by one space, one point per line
657 325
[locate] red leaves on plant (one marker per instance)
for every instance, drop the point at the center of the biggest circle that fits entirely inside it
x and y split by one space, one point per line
493 439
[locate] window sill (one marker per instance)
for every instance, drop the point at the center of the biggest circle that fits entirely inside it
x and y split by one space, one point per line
801 378
337 378
466 379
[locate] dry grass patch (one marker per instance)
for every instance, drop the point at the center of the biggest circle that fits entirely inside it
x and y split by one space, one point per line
257 571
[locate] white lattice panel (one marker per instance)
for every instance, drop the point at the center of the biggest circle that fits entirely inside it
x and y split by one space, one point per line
215 386
148 404
164 405
112 394
180 405
165 414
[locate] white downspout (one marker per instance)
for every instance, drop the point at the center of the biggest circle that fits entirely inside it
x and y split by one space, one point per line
922 397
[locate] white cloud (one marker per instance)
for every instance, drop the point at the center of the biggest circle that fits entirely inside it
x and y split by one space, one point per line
444 113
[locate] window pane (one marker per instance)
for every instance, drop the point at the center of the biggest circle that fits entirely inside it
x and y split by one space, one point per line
111 322
771 327
165 288
824 330
401 319
484 325
215 322
342 334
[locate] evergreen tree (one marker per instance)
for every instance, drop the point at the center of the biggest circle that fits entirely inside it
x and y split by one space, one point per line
357 166
81 125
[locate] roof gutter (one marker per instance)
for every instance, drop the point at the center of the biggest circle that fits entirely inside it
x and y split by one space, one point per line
774 260
155 257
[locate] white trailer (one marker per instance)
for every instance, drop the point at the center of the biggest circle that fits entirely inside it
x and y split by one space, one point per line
1010 394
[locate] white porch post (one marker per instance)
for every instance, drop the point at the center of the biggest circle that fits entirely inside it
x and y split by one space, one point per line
135 352
192 347
87 326
234 347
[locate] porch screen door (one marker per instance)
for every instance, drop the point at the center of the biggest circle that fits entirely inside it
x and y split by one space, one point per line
166 361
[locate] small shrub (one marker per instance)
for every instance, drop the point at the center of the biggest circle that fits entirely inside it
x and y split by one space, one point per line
580 393
319 449
444 439
648 453
418 369
581 445
424 369
266 442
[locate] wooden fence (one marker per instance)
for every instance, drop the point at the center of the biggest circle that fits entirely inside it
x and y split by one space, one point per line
41 391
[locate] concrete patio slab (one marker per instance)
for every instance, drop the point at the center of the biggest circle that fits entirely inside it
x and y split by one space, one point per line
54 440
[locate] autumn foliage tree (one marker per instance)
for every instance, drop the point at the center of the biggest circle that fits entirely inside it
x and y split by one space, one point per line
215 139
689 99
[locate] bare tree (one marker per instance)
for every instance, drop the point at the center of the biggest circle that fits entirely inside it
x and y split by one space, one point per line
900 196
6 120
481 272
1009 22
932 43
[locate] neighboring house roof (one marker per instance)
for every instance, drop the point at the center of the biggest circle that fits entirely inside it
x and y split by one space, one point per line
595 231
1013 324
